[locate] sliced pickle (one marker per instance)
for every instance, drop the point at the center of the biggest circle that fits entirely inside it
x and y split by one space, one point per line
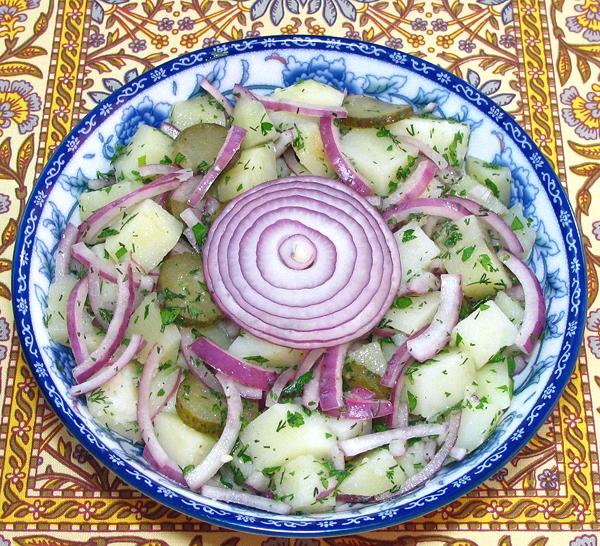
197 146
199 407
364 111
181 282
355 375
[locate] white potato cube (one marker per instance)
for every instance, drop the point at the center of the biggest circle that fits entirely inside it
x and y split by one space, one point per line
250 348
198 109
417 250
410 313
91 201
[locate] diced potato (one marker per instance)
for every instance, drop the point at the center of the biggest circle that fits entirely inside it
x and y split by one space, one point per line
148 231
255 166
148 146
417 250
469 255
300 482
379 158
438 384
309 148
484 333
410 313
56 312
370 356
91 201
146 321
344 429
449 138
495 177
510 307
251 115
198 109
183 444
522 226
284 432
494 384
310 92
114 405
217 334
477 421
373 473
413 459
248 347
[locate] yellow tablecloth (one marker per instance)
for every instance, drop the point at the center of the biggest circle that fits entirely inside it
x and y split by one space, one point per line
540 59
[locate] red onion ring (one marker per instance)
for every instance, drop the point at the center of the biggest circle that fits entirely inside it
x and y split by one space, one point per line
86 256
397 363
438 159
335 300
283 142
333 149
156 169
217 95
360 444
169 129
436 336
507 236
230 147
239 370
158 403
434 206
310 394
414 185
361 409
63 252
534 317
197 367
245 499
115 332
217 456
331 394
96 298
116 364
280 384
154 453
292 162
75 321
299 108
106 214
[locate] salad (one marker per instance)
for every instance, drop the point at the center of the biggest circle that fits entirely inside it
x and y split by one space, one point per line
299 301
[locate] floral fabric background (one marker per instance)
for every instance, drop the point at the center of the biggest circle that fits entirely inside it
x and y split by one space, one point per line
539 59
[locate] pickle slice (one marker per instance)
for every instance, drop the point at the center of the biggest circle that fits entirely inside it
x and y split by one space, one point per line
355 375
184 293
199 407
197 146
365 111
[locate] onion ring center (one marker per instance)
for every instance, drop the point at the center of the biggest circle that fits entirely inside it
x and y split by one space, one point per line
297 251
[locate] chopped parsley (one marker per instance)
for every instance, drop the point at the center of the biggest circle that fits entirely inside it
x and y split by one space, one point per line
408 235
200 232
295 419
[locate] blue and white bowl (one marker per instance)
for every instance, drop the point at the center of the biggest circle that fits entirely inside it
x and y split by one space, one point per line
263 64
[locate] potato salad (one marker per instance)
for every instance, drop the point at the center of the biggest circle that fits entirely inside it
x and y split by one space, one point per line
299 301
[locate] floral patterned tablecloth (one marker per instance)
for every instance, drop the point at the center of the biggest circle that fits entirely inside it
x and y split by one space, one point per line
539 59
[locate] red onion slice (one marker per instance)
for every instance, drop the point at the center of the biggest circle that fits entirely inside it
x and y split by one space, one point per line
153 451
197 367
438 159
337 298
331 394
75 321
156 169
96 298
302 109
116 330
345 170
360 444
250 393
398 362
157 403
99 219
217 95
63 252
116 364
534 317
218 455
434 206
280 384
245 499
414 185
310 394
239 370
437 334
230 147
361 409
86 256
495 222
292 162
169 129
283 142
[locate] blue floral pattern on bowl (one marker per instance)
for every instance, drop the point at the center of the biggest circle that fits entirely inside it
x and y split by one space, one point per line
263 64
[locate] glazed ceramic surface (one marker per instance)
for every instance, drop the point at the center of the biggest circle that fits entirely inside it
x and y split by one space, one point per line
263 64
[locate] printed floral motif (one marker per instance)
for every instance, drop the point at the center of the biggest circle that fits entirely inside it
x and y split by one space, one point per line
584 540
596 230
588 20
18 102
583 113
12 13
549 478
4 203
145 112
593 324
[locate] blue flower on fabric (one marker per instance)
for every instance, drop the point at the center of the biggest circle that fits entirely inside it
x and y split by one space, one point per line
133 116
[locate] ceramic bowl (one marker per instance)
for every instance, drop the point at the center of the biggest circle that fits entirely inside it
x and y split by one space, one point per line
263 64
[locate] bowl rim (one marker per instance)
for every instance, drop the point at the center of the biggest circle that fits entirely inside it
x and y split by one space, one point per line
550 182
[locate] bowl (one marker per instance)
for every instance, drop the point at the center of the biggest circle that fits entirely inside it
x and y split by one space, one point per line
263 64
